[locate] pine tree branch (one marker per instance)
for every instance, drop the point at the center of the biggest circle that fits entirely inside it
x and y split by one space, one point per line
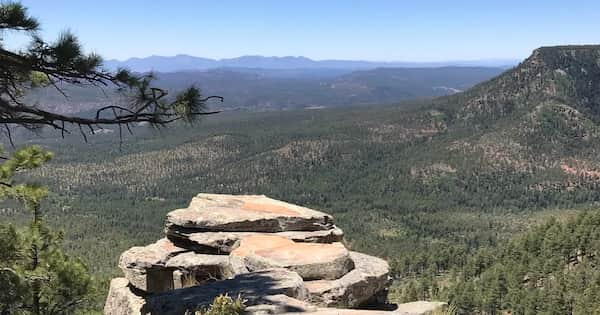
63 62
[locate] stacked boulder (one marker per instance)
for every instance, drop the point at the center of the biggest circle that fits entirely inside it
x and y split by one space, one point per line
278 256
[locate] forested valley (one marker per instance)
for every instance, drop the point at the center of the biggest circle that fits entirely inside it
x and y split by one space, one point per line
486 199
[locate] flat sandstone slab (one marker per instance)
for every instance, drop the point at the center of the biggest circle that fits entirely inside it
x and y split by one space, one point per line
146 257
250 213
369 277
152 268
226 242
310 260
144 267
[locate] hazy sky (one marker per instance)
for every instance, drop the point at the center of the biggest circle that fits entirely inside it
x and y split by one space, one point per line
394 30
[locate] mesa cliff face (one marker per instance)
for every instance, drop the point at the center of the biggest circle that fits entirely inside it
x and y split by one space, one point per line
275 255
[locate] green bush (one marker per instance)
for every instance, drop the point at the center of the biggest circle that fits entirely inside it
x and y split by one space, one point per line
222 305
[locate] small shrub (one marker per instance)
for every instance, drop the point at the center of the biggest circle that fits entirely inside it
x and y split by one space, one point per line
445 310
222 305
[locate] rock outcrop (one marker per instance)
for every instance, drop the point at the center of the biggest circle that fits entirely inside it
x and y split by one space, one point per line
366 281
122 300
226 213
310 261
225 242
251 286
279 257
145 268
282 304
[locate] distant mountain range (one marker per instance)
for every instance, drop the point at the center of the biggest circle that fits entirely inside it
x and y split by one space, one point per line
186 62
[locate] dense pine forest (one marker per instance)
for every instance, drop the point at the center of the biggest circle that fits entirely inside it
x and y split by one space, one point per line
491 209
486 199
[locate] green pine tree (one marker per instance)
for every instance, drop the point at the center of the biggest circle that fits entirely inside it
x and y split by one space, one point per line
36 277
64 62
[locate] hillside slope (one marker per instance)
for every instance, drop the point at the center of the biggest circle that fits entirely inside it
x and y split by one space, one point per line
538 122
537 129
568 75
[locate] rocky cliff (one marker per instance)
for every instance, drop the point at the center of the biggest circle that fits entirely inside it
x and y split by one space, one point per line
564 74
279 257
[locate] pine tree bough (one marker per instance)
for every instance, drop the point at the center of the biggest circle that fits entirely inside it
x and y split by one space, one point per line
64 62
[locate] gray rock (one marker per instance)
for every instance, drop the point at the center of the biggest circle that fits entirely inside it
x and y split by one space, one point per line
252 287
147 257
225 242
121 300
229 213
194 269
332 235
369 277
281 304
280 258
310 260
255 288
151 268
144 267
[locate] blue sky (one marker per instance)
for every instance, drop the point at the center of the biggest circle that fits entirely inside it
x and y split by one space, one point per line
384 30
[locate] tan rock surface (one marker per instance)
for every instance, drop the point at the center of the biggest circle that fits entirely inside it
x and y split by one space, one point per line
144 266
282 259
149 256
225 242
310 260
151 268
370 276
121 300
252 213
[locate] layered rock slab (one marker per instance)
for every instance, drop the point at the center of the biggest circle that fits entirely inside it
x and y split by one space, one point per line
191 269
251 213
226 242
144 266
253 287
369 277
163 266
311 261
281 304
121 300
219 236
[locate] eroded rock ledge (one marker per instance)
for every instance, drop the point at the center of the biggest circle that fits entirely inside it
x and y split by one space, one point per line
281 258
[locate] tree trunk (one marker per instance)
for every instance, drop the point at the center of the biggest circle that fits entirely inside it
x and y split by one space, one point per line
35 285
